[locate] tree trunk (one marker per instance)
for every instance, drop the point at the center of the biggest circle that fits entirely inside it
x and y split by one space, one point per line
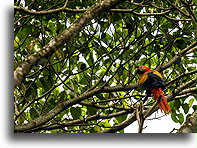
190 125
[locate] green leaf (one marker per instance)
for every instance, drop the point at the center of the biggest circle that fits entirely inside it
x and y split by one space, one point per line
52 101
121 131
63 95
190 102
84 80
120 72
185 108
180 43
176 104
92 130
43 83
33 113
180 118
58 117
76 112
115 121
83 64
28 92
107 62
174 117
97 128
91 110
194 107
121 118
100 96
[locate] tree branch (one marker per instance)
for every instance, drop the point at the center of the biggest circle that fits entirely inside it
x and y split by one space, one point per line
190 125
63 9
175 58
132 118
64 105
44 12
44 119
122 125
21 72
79 121
181 76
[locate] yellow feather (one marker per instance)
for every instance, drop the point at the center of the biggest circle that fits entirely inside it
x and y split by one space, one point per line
157 73
143 78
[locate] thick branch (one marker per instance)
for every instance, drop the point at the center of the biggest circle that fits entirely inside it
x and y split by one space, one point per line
181 76
188 90
21 72
63 9
190 126
44 12
132 118
80 121
64 105
176 57
179 89
44 119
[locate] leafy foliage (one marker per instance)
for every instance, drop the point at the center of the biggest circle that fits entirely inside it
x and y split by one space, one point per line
103 54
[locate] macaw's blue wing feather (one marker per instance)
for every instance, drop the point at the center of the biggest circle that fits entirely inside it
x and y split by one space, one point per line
154 80
157 80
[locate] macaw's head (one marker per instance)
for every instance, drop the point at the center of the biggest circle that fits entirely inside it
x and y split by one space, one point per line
140 69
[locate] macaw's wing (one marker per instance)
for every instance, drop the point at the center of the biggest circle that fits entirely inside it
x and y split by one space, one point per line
151 80
143 79
144 82
154 72
157 79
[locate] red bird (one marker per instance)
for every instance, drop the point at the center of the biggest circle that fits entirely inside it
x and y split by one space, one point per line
152 81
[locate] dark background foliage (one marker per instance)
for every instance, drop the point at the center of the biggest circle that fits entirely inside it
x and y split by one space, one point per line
97 64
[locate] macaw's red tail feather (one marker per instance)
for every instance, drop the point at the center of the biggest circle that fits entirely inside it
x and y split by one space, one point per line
163 104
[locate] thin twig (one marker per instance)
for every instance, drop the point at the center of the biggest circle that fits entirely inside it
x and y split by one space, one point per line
153 107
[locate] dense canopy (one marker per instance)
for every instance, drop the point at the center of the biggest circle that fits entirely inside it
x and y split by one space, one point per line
74 62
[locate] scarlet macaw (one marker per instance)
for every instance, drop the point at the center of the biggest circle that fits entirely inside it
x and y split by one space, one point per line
152 81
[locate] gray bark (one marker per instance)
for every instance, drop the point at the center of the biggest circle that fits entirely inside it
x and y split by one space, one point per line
55 44
190 125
